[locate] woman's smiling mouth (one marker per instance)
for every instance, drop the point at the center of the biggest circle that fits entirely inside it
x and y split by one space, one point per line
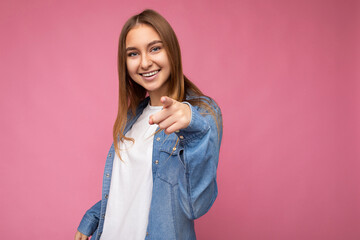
149 75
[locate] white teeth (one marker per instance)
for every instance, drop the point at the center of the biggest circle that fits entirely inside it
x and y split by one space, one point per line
150 74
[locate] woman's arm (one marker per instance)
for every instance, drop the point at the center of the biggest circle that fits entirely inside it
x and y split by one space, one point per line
200 137
201 143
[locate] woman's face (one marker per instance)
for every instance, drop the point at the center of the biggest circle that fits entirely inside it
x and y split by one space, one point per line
147 61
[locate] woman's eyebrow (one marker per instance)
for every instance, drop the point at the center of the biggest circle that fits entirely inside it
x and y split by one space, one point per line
154 42
149 44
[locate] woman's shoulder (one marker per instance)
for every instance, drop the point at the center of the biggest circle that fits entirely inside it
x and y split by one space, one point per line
132 112
202 101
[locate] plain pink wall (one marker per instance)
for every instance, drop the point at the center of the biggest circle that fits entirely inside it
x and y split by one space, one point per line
285 74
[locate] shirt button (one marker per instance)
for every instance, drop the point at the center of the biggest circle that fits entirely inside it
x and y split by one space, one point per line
107 175
177 131
181 137
106 196
156 161
157 139
147 234
110 154
103 216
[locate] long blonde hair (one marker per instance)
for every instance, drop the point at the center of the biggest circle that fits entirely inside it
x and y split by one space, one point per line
131 93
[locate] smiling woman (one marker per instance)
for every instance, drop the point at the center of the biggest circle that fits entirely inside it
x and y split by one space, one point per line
147 61
160 173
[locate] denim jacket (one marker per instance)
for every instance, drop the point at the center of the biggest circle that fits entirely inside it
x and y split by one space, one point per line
184 178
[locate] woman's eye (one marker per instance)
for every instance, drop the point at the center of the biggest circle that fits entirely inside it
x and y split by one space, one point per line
132 54
155 49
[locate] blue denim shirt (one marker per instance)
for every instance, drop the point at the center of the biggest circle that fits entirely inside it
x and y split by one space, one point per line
184 178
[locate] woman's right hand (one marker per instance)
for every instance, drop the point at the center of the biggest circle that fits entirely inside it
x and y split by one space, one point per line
80 236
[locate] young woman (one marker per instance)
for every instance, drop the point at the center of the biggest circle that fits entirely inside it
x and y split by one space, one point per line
160 174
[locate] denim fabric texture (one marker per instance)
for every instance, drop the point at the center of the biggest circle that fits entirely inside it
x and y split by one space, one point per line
184 178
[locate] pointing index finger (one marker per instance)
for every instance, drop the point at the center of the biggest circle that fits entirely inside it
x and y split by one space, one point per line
166 101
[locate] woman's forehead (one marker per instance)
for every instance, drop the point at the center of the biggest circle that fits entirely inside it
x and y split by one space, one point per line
141 34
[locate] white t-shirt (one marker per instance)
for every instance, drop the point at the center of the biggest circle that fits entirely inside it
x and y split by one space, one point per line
131 185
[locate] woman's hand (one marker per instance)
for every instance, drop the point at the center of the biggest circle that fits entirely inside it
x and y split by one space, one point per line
80 236
174 115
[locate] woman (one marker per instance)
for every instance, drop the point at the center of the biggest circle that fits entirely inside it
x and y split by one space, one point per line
161 173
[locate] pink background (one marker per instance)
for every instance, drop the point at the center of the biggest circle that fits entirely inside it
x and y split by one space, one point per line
285 73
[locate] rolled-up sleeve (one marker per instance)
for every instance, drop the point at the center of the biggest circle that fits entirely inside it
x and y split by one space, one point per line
90 220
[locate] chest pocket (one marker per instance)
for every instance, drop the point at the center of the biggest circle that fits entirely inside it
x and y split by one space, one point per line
171 165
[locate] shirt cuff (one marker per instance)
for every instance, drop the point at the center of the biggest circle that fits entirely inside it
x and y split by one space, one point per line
87 226
197 127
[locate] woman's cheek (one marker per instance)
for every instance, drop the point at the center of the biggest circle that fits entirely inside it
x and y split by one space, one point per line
131 66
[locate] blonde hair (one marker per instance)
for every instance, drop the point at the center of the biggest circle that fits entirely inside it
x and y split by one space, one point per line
131 93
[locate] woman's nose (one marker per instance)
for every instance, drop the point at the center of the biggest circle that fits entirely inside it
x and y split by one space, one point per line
146 61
